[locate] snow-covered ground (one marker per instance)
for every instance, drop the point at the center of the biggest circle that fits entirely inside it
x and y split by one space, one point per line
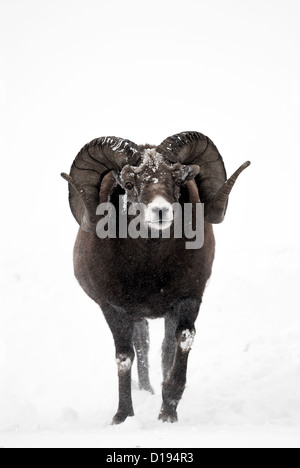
65 78
59 379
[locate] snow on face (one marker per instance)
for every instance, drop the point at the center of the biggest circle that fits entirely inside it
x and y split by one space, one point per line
154 178
152 184
187 340
153 166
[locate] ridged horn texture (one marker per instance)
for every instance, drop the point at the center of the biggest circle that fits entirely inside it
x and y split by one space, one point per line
92 163
197 149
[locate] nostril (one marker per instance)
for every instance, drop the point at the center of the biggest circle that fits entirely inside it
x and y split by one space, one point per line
162 215
159 213
160 209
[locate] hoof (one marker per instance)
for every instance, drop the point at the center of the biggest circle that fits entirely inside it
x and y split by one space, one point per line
120 417
168 416
147 388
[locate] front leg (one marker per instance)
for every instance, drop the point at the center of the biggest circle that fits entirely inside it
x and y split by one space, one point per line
122 330
125 409
175 379
169 346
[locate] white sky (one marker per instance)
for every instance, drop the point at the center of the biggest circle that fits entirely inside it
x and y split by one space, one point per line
71 71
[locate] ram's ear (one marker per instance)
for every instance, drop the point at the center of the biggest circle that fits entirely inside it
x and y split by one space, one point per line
117 177
190 172
107 186
193 191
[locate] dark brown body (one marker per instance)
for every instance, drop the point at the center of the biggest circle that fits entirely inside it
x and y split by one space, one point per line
150 276
135 279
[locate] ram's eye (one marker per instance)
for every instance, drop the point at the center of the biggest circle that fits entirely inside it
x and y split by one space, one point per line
129 185
179 182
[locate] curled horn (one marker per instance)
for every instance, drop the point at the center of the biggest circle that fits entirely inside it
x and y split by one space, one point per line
194 148
92 163
219 203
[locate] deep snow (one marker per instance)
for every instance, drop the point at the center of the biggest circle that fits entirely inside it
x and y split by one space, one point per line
59 377
69 74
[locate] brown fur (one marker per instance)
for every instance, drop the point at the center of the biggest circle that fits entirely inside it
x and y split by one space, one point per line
136 279
133 280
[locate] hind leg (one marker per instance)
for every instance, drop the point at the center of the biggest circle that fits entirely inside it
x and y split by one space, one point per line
141 342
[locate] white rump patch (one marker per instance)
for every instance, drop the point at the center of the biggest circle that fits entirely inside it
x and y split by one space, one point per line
124 363
187 340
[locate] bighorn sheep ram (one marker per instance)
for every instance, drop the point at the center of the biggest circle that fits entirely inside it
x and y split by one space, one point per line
133 279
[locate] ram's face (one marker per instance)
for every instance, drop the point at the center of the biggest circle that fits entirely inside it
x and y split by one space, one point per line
151 179
156 185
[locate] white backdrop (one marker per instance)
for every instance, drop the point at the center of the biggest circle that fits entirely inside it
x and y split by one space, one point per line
74 70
